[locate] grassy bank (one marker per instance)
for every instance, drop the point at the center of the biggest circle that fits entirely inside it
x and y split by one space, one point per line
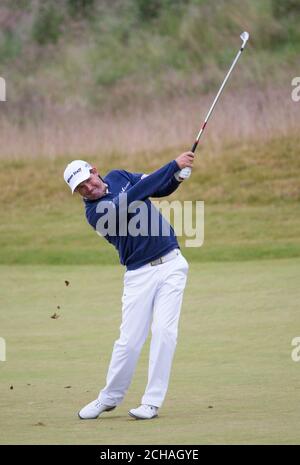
251 196
231 233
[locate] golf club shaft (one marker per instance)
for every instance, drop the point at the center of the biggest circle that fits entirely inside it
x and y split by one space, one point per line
216 98
185 173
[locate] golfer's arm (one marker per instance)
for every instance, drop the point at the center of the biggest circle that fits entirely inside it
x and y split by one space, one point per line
170 187
157 182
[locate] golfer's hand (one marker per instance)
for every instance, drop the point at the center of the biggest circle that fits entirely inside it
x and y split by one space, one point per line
185 160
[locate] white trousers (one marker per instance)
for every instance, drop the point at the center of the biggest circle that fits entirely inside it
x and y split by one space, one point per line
152 294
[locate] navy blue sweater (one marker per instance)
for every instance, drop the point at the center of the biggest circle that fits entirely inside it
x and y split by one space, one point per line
136 251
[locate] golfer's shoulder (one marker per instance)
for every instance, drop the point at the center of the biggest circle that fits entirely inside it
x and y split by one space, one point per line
115 174
116 179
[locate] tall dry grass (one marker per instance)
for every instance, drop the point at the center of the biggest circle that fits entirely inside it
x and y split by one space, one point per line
249 114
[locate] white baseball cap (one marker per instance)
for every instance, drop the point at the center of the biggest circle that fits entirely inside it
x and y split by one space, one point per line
76 172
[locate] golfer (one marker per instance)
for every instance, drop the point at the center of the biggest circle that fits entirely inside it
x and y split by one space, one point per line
154 279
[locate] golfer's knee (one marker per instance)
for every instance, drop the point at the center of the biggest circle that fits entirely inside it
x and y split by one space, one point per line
166 333
129 344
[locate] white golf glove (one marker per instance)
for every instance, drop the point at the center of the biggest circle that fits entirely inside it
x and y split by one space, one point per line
183 174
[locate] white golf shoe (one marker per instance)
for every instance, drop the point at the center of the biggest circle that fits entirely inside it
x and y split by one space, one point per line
144 412
92 410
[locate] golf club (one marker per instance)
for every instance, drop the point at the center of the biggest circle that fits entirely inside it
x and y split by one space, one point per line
186 172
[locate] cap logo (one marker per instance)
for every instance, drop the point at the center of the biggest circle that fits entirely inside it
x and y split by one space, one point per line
73 174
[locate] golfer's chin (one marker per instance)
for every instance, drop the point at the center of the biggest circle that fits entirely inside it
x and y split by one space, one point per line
94 195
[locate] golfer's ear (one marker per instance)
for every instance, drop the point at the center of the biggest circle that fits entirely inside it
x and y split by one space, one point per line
94 170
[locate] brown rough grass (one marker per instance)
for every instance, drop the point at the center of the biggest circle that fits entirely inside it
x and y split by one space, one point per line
252 114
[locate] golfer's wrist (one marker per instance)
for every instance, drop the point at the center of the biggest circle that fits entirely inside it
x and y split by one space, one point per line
178 167
177 176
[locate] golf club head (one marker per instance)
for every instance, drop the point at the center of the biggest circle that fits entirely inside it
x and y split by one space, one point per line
244 36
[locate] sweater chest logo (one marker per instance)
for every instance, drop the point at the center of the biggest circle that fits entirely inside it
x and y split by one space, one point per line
124 188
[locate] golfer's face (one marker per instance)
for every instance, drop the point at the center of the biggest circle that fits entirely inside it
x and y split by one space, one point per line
92 188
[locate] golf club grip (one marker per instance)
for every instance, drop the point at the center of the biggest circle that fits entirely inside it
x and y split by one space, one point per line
187 171
194 146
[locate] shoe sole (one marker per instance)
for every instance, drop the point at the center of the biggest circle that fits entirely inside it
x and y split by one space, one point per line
95 418
140 418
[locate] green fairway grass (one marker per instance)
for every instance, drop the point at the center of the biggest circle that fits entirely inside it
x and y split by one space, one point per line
233 378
